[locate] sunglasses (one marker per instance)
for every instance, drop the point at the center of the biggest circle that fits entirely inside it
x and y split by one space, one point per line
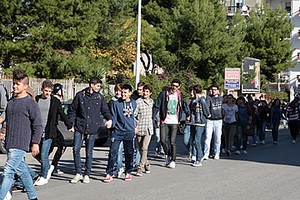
177 86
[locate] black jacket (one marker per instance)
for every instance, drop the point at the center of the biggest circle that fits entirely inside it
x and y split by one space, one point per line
52 122
87 111
161 104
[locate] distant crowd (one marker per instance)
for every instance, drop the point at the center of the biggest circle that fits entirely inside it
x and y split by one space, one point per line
211 124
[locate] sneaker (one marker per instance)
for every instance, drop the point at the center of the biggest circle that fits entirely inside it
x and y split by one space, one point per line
197 164
263 142
253 145
167 160
172 165
41 181
193 158
120 172
205 158
77 178
294 141
245 152
217 157
147 169
139 172
8 196
228 152
128 177
223 151
86 179
50 170
275 142
58 172
237 152
108 179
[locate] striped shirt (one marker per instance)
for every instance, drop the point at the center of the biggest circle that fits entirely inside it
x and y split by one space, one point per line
292 113
144 122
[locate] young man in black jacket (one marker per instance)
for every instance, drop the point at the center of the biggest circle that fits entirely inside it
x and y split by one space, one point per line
86 113
170 104
50 108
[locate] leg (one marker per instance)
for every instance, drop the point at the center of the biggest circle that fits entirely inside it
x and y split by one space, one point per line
187 137
137 154
164 130
208 136
112 157
173 133
89 146
59 141
128 149
76 151
45 156
217 135
198 141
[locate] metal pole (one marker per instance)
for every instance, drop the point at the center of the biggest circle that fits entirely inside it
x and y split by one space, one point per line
138 46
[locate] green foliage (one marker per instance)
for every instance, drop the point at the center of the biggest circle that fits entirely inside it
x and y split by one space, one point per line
267 30
279 95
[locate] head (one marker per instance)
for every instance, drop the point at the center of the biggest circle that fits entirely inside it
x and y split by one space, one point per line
276 102
126 92
264 103
95 84
191 91
140 86
118 90
229 98
47 87
20 83
175 85
197 90
214 90
57 90
241 101
147 91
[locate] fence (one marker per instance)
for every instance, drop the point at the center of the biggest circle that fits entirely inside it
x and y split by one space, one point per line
70 88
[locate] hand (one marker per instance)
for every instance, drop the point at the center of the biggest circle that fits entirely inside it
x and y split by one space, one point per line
35 150
72 130
108 124
136 130
188 118
2 136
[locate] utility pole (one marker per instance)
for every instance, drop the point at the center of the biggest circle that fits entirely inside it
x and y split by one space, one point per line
138 46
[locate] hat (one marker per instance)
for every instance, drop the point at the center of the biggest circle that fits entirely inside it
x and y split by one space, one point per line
57 87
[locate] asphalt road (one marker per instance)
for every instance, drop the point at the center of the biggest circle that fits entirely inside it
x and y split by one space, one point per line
267 172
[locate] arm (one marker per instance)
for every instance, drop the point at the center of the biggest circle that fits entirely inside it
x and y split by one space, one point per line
36 127
62 115
106 112
3 103
73 109
157 106
205 108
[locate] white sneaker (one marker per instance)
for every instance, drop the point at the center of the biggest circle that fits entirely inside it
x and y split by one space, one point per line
193 158
217 157
120 172
245 152
58 172
50 170
172 165
86 179
237 152
77 178
41 181
8 196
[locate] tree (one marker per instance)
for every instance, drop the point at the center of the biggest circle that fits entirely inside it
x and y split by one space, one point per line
266 33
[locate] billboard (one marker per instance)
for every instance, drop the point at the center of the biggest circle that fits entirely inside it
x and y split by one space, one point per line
232 79
251 75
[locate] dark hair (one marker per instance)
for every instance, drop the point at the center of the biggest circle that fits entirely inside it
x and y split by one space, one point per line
127 87
118 87
148 87
47 84
57 87
94 81
140 84
274 102
230 95
191 88
214 85
242 98
198 89
176 80
20 75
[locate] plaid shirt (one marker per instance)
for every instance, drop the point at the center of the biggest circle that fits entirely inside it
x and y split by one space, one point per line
144 121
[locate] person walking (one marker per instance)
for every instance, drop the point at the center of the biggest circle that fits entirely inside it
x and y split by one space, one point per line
170 105
214 123
144 127
275 119
123 129
292 113
50 108
86 114
23 133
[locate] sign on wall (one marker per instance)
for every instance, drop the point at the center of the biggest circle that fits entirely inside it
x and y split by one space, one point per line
232 79
251 75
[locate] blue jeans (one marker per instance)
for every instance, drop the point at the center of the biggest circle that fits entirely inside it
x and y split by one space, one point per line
275 130
187 140
113 151
46 144
89 145
158 148
119 159
213 129
263 126
241 136
33 174
137 154
196 135
15 164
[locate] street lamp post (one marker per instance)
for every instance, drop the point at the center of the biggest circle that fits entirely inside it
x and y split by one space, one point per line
138 46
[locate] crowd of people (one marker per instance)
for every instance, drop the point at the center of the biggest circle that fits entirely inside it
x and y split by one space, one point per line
211 123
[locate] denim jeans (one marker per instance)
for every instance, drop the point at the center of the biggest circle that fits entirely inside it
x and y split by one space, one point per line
263 125
275 130
113 151
18 181
158 148
89 145
46 144
213 129
15 164
119 164
187 140
196 135
137 154
241 136
169 131
229 132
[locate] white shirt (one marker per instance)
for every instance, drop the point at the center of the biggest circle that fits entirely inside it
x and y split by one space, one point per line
229 112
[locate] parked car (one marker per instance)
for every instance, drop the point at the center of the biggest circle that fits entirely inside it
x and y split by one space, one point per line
102 134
